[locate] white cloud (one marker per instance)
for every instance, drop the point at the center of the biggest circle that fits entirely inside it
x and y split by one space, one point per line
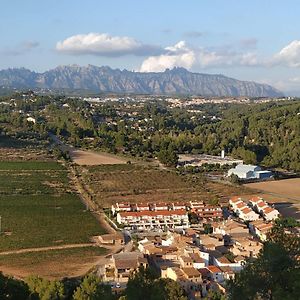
289 55
182 55
178 55
103 44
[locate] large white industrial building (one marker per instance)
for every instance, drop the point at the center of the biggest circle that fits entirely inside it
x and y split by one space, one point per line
249 172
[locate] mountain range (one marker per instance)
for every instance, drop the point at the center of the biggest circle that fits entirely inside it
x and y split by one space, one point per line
107 80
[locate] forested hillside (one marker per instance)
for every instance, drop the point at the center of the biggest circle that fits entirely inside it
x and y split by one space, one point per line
266 133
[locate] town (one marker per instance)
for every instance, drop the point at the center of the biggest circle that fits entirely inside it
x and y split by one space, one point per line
196 244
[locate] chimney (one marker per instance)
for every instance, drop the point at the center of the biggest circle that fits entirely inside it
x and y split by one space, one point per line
223 154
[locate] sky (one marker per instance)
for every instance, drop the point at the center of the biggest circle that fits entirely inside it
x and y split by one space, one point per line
257 40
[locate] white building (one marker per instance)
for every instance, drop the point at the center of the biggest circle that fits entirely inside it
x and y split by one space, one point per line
31 119
242 210
154 219
249 172
270 213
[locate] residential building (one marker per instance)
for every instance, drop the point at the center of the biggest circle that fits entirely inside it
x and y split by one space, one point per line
154 219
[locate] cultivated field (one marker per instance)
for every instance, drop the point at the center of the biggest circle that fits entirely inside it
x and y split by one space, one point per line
39 208
139 183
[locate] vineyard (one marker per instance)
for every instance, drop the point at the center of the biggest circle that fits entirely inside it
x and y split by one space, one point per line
39 209
139 183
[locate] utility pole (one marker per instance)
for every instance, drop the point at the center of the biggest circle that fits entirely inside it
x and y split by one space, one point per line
0 225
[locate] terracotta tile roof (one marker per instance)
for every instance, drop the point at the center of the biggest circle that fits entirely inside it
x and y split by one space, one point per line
235 199
261 204
240 205
213 269
246 210
256 199
179 212
268 210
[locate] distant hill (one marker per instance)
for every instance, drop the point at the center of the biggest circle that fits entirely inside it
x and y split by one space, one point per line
107 80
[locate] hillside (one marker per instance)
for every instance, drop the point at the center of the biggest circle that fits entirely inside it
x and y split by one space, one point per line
105 79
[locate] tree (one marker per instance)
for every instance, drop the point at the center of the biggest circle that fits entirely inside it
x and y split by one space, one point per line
139 284
234 179
168 156
91 288
146 285
275 274
12 289
167 289
215 295
207 228
45 289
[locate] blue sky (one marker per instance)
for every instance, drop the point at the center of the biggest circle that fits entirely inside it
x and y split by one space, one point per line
249 40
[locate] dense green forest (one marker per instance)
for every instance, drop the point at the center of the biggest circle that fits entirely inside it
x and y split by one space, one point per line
266 133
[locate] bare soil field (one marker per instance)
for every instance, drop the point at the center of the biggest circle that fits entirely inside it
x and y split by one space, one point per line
54 264
287 189
285 194
89 158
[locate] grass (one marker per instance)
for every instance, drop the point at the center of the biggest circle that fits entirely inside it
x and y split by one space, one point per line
37 210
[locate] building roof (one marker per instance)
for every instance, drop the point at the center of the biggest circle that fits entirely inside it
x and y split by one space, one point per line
235 199
126 263
256 199
213 269
223 260
247 168
227 269
186 259
178 212
191 272
196 258
246 210
261 204
241 204
268 210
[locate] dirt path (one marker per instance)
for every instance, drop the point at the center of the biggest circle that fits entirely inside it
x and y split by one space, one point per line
86 199
70 246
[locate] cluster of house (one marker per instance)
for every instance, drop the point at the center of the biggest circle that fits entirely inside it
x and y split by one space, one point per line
141 216
198 262
252 210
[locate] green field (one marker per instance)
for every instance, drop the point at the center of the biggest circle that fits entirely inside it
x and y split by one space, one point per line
38 208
